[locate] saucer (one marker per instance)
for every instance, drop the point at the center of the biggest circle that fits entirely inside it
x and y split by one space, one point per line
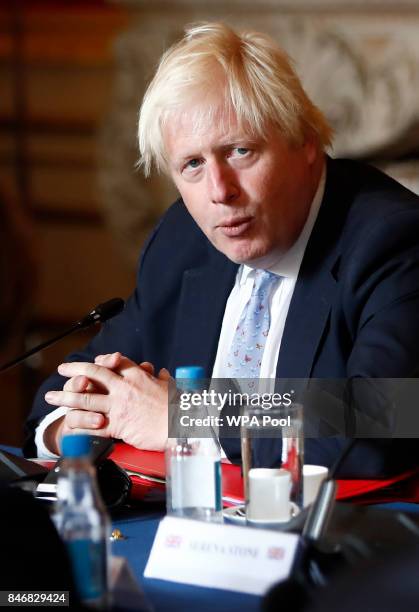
237 515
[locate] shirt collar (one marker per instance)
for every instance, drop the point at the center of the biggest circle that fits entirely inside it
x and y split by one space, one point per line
288 265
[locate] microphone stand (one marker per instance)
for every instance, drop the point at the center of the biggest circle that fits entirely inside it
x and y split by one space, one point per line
17 468
321 511
101 313
40 347
318 560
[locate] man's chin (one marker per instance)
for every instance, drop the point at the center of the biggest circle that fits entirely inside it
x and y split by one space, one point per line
253 257
243 255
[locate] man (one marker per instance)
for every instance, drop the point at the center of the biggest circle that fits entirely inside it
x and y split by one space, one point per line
227 118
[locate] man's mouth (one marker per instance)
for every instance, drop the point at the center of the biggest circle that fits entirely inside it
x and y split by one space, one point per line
235 227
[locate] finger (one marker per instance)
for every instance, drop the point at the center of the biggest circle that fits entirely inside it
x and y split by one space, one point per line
131 370
126 367
81 384
95 372
123 365
111 360
164 374
102 375
147 367
92 402
76 419
77 384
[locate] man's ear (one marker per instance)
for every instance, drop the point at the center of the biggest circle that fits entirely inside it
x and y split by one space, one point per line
311 148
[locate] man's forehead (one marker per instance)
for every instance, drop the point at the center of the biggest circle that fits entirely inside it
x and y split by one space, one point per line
200 118
202 126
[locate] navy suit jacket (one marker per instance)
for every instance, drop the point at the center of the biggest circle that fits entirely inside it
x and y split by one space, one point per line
354 312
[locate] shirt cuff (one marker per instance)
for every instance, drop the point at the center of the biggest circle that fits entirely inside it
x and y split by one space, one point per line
42 451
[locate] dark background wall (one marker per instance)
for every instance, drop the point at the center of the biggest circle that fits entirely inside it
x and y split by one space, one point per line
60 259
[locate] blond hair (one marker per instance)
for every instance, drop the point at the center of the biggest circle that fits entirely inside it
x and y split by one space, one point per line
253 75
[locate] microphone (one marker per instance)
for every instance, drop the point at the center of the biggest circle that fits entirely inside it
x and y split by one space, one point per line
100 314
317 561
320 513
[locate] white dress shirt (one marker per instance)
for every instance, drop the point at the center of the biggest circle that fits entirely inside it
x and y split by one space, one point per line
287 266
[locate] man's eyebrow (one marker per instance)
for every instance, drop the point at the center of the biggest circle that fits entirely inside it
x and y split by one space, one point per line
234 139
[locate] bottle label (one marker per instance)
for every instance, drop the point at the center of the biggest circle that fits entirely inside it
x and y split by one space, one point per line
218 486
88 561
196 482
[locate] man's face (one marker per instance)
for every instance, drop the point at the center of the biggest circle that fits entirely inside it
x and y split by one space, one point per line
250 197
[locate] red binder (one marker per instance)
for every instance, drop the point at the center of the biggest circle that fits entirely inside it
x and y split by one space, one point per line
147 471
403 487
148 463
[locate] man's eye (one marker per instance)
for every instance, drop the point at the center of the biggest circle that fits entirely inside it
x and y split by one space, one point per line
193 163
240 152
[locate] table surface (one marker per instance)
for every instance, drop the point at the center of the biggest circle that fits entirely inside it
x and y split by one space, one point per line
139 525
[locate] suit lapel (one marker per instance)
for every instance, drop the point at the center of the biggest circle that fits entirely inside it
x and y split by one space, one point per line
315 288
306 322
202 303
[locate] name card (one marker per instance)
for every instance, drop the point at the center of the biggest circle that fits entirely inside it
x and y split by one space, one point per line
220 556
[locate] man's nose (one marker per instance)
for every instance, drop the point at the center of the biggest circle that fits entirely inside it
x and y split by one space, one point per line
223 187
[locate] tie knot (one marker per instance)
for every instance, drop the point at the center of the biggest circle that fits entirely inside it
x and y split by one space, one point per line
263 281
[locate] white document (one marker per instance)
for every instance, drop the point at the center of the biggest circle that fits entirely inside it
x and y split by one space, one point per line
220 556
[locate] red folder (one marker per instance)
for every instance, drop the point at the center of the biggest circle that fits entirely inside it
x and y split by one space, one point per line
402 487
149 463
147 471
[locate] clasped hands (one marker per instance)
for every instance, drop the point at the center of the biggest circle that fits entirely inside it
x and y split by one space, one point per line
114 397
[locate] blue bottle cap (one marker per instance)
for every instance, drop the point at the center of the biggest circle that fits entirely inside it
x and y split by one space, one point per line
191 372
76 445
188 377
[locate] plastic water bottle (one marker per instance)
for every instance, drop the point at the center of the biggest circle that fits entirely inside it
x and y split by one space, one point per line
82 521
193 465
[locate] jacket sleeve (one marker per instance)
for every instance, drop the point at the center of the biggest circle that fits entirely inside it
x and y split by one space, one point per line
376 313
384 361
381 294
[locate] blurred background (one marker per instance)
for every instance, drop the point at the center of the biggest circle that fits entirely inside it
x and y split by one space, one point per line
74 211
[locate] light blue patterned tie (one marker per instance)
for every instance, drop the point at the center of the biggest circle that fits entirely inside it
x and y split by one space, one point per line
245 356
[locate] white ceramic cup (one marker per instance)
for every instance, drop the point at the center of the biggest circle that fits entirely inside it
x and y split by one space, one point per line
313 476
285 423
269 495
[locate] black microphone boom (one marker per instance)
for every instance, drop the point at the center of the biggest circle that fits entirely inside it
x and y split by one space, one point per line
320 513
100 314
